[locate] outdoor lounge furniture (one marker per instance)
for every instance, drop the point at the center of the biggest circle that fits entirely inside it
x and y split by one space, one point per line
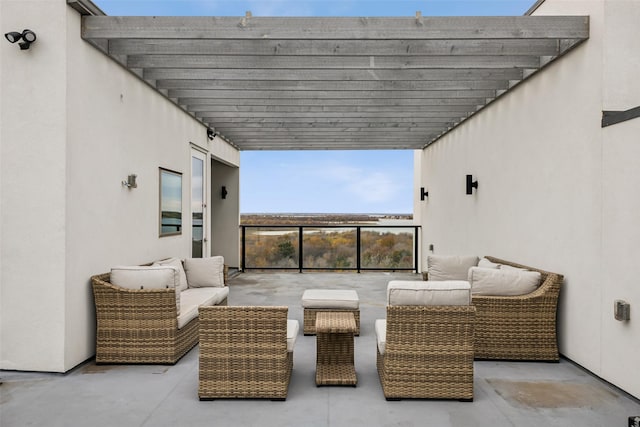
245 352
425 344
315 301
512 327
151 314
334 348
519 327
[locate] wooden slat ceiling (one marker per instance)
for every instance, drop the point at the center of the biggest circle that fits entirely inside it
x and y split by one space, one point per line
334 83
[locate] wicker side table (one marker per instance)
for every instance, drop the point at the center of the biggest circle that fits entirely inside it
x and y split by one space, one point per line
334 357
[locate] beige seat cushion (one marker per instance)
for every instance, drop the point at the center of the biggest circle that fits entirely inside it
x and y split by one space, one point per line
204 272
450 267
448 292
191 299
503 282
292 333
381 334
331 298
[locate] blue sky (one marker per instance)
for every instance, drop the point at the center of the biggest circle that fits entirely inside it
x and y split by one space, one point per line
322 181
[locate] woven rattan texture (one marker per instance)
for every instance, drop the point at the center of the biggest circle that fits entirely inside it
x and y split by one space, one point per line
519 327
309 327
335 348
243 353
429 353
139 326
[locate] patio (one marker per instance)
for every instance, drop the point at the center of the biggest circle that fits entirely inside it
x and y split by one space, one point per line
506 393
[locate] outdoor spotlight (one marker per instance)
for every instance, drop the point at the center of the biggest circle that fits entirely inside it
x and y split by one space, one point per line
27 37
13 36
211 134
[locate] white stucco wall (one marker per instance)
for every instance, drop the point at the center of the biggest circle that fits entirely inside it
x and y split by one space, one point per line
32 211
65 214
556 189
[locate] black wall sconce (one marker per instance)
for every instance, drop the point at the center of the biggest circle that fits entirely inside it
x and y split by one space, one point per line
27 37
471 184
211 134
223 192
423 194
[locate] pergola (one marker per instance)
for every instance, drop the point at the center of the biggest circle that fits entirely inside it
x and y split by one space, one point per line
334 83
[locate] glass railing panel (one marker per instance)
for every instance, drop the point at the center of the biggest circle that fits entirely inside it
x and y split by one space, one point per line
387 248
349 247
329 248
271 247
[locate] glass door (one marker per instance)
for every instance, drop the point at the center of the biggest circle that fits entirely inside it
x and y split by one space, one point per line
198 204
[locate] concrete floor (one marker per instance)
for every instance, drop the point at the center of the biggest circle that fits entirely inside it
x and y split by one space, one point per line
506 393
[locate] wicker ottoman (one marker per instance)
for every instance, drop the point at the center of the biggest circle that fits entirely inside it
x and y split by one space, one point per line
319 300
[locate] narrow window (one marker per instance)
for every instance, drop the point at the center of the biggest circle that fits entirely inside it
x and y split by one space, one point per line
170 203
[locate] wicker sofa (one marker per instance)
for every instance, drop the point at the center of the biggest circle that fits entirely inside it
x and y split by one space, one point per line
245 352
518 327
153 325
521 327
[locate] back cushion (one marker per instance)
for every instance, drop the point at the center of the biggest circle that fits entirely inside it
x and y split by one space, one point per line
147 277
203 272
175 262
450 267
503 282
452 292
485 263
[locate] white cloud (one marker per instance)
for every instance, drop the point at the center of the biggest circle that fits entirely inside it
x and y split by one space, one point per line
364 185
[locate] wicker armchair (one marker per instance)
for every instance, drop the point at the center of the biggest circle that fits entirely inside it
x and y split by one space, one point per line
519 327
243 353
425 345
428 353
139 325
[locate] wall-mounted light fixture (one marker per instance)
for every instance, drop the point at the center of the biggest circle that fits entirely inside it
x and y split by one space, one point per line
423 194
223 192
130 182
211 134
27 37
471 184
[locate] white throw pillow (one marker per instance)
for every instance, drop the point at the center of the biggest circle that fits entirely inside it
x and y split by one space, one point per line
503 282
147 277
203 272
485 263
407 292
175 262
450 267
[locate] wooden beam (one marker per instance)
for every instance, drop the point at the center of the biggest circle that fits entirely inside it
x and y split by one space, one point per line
334 75
258 110
300 62
458 27
332 94
369 85
344 47
362 102
221 121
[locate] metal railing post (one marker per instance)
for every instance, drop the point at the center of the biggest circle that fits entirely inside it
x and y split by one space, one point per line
358 251
300 255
